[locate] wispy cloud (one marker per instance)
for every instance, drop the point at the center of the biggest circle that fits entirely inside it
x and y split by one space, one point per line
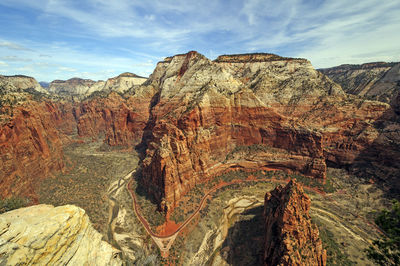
13 58
13 46
91 36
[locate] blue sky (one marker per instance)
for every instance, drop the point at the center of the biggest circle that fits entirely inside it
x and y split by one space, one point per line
98 39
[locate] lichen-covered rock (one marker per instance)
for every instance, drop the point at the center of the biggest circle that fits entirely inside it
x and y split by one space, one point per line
47 235
290 236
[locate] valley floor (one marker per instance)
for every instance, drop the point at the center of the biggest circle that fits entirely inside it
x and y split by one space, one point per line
227 231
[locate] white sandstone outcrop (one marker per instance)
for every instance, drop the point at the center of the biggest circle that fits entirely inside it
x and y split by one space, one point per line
47 235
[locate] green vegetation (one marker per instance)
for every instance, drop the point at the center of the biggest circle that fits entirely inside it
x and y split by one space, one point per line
85 184
36 95
335 256
12 204
147 203
386 251
249 149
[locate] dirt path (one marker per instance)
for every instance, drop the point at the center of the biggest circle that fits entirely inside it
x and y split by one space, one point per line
164 242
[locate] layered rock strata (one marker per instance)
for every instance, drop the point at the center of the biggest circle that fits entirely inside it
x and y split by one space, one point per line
47 235
31 146
121 121
377 81
205 110
81 88
194 116
290 236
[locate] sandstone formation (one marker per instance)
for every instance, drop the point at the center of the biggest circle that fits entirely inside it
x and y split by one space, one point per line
122 121
123 82
73 86
377 81
84 87
290 237
205 110
31 146
20 83
192 117
47 235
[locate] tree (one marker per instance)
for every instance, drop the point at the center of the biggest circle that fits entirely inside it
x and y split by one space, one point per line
386 251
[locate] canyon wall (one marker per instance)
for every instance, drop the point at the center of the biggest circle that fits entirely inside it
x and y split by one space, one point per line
31 145
375 81
296 118
193 116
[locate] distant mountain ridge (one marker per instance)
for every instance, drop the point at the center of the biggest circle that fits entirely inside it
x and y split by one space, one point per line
374 81
84 87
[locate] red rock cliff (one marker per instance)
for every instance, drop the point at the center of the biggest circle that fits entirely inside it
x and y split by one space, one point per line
290 236
205 110
120 120
31 146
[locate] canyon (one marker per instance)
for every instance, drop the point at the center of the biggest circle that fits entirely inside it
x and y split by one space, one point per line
194 119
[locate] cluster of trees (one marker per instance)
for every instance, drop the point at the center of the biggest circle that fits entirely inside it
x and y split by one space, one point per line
386 251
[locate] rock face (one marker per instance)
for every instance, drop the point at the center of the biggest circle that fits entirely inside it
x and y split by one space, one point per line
123 82
43 234
31 146
122 121
295 117
291 238
20 83
84 87
205 109
74 86
376 81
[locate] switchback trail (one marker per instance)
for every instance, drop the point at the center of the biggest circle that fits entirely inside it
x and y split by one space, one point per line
164 242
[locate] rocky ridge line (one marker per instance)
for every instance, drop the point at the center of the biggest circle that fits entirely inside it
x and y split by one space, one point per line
375 81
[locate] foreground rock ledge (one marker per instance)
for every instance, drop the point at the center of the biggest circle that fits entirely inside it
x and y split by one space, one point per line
290 237
47 235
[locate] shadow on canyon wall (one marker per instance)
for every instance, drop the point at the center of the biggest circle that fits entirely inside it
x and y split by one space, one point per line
380 161
244 244
142 188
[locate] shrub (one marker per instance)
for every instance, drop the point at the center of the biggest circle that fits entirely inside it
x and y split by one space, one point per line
12 204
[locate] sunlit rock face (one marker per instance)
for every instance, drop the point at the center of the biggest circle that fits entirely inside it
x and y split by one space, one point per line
81 88
20 83
290 236
31 143
192 116
203 109
43 234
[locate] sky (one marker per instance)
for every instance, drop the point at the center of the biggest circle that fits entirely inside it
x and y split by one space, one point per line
99 39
